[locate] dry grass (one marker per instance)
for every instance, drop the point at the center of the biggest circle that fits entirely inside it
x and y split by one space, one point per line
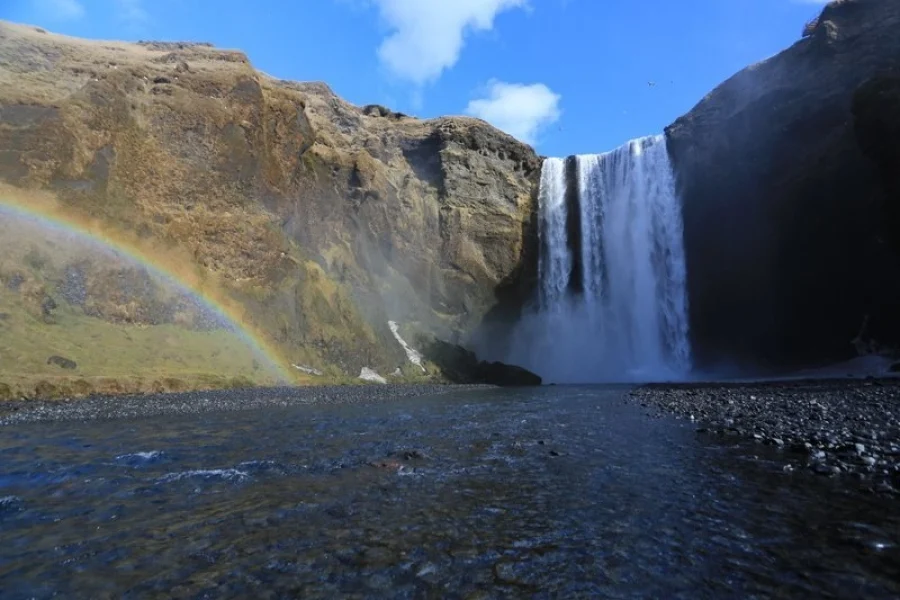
111 357
43 67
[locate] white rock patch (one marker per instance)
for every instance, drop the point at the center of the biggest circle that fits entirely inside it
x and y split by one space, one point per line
368 374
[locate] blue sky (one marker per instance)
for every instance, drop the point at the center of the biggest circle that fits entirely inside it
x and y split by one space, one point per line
569 76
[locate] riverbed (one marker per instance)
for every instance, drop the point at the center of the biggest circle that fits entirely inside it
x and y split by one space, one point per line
573 492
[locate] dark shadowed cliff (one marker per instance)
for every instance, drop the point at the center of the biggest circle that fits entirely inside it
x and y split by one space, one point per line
787 224
316 220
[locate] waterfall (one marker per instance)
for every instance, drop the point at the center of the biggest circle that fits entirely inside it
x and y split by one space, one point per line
555 262
627 320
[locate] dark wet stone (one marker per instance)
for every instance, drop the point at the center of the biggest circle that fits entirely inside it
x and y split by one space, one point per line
843 426
885 488
410 455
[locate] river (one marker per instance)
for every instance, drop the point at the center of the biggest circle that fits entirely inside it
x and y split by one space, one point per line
562 492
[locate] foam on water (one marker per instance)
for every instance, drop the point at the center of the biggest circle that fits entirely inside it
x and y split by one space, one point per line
226 474
140 456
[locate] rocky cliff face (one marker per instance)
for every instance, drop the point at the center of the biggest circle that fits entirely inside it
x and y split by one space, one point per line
784 209
876 110
322 219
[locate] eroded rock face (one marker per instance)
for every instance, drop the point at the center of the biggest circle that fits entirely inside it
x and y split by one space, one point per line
782 208
324 219
441 210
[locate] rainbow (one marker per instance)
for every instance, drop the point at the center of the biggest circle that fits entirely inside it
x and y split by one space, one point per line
90 232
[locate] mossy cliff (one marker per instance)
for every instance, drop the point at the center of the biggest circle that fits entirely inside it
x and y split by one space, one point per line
320 220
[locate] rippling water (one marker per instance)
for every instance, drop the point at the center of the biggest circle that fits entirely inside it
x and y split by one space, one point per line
557 492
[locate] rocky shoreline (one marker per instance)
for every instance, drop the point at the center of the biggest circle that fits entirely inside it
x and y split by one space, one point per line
828 427
185 403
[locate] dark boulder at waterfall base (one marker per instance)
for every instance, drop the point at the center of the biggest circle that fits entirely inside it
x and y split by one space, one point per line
462 366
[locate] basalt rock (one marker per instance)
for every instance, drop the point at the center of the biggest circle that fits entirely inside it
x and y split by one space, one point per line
462 366
784 209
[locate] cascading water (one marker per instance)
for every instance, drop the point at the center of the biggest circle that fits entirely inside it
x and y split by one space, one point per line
626 318
555 261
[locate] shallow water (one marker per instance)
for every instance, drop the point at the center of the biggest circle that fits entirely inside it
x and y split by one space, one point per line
554 492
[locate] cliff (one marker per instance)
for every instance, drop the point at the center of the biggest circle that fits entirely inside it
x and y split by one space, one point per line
316 220
787 220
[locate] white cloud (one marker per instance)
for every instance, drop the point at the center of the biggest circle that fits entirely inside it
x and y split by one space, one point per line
63 10
427 36
521 110
131 11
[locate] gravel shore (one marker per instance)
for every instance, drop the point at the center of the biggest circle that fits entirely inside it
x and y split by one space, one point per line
827 427
117 407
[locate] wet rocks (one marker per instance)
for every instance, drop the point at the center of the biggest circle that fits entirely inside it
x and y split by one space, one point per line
411 454
115 407
387 465
400 460
498 373
827 427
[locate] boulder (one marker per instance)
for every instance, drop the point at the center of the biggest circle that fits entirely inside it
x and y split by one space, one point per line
459 365
497 373
62 362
